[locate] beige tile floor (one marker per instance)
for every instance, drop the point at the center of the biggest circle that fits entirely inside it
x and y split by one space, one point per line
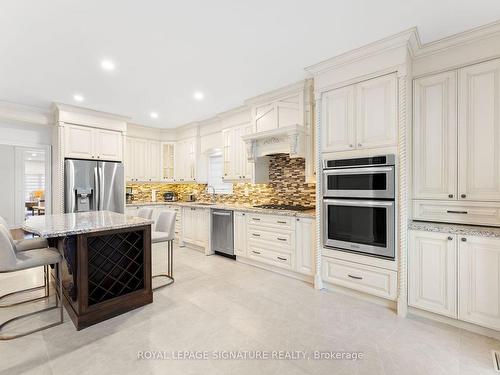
217 304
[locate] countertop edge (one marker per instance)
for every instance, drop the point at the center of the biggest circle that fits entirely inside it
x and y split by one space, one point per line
460 229
304 214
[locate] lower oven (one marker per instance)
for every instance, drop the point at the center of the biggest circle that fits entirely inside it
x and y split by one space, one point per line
361 226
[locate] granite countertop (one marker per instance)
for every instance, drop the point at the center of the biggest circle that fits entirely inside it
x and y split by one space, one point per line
465 230
60 225
233 207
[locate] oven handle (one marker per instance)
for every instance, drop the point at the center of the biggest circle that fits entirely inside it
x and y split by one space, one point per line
352 202
371 170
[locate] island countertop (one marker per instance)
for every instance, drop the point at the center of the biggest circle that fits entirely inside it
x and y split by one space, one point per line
60 225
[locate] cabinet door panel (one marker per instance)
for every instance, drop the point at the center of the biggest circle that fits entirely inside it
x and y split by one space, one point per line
435 137
265 118
79 142
240 234
432 272
479 132
108 144
228 154
479 281
140 151
376 112
338 133
305 245
129 160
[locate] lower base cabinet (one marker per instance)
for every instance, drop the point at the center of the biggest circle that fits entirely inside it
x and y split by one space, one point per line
195 226
279 241
376 281
455 275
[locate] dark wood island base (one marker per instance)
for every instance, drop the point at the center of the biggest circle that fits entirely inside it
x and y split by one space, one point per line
106 273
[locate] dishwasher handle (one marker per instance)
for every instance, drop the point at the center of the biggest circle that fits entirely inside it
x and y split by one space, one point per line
217 213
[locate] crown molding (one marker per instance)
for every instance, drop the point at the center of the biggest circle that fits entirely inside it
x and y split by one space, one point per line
291 89
25 114
408 39
62 107
465 37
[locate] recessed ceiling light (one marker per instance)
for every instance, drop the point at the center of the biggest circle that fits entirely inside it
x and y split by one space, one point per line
33 154
78 98
198 95
108 65
153 115
29 158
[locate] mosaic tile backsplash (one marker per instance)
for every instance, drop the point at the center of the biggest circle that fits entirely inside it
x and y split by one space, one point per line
287 186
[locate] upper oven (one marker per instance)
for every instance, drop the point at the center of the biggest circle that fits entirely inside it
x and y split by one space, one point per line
371 177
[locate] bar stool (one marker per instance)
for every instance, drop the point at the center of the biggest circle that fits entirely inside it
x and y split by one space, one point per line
26 245
12 261
165 232
145 213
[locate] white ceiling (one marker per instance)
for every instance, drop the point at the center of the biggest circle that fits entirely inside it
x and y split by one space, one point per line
165 50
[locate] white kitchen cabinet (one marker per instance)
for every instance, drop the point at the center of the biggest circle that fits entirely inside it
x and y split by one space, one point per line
195 226
240 239
435 137
478 280
129 160
140 151
167 161
186 159
360 116
432 272
376 112
143 160
479 132
338 126
153 161
278 113
84 142
236 165
305 244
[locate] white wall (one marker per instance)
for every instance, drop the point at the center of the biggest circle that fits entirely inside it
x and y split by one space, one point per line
25 134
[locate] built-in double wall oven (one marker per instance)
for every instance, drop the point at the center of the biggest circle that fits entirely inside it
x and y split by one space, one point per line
359 205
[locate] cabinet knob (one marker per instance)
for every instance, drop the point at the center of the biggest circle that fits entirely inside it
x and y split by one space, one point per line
464 239
98 157
450 195
351 145
463 196
359 145
450 238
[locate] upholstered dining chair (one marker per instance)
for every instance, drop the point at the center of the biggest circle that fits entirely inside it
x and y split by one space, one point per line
164 231
12 261
145 212
25 245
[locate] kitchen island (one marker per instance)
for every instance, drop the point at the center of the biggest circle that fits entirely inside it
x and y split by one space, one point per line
107 268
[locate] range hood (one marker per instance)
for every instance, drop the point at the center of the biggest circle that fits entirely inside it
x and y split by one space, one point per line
286 140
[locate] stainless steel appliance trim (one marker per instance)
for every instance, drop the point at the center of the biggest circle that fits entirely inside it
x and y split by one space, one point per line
388 193
390 159
388 251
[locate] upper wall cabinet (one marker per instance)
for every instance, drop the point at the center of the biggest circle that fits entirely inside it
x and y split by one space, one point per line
188 161
236 165
142 160
359 116
479 132
167 161
435 137
84 142
457 145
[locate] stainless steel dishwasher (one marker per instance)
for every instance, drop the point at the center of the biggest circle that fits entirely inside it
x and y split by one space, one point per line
223 233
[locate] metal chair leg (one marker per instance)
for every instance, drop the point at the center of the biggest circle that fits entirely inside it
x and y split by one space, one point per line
45 286
170 266
59 305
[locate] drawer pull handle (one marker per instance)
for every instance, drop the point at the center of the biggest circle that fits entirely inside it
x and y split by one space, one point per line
281 239
255 218
355 277
457 212
255 234
280 258
281 222
255 252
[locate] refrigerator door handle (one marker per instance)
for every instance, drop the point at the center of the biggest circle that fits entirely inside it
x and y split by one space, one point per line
100 185
96 189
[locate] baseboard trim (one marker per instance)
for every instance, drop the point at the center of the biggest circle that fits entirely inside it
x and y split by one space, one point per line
413 311
357 294
292 274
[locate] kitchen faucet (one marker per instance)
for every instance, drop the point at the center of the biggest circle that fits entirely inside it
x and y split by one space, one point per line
213 198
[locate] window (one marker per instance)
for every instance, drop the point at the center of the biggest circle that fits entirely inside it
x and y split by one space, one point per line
215 172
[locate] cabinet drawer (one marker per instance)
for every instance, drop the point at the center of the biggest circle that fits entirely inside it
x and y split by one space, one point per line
367 279
281 239
479 213
271 257
270 221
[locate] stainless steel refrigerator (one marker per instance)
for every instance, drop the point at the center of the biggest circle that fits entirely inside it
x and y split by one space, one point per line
93 186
